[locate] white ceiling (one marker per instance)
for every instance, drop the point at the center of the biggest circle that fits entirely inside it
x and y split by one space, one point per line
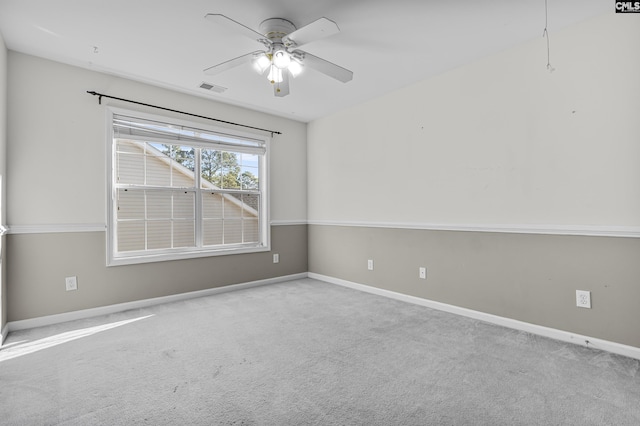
387 44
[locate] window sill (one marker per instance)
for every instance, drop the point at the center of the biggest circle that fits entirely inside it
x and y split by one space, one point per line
164 257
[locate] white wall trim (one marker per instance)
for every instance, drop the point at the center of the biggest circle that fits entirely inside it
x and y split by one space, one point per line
57 228
578 230
4 333
138 304
288 222
590 231
95 227
565 336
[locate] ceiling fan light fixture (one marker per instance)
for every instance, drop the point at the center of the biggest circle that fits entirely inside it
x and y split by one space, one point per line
281 59
261 63
295 68
275 75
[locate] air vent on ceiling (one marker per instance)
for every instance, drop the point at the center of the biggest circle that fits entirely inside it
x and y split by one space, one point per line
208 86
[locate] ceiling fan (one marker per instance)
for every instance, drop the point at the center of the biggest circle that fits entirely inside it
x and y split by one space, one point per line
282 57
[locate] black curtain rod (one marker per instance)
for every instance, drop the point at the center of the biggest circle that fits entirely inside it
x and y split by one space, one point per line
101 95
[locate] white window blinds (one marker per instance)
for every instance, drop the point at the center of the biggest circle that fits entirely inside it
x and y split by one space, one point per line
148 130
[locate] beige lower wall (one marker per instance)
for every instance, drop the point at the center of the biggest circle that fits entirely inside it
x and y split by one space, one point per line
530 278
3 286
39 263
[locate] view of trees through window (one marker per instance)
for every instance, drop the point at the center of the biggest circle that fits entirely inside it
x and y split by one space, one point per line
225 170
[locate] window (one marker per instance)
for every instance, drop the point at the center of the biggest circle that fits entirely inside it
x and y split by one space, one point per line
180 190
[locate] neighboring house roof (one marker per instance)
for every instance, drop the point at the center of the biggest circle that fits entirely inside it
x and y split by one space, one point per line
189 174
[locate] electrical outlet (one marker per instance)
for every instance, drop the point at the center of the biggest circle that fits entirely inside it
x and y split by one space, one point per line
370 264
276 258
583 299
71 283
422 273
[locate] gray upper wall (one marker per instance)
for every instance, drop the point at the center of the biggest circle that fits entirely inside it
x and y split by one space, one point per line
3 165
57 136
3 130
501 141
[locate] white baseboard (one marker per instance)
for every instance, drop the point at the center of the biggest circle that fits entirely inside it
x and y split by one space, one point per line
120 307
565 336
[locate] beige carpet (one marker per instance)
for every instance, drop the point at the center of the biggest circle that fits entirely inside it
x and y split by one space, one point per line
306 353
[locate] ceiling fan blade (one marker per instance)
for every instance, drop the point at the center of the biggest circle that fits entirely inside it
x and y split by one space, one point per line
231 63
316 30
282 89
327 68
236 26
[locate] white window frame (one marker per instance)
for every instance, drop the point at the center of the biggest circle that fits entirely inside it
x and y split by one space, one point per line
115 258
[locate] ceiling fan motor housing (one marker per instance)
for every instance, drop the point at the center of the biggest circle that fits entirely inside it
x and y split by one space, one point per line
276 28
